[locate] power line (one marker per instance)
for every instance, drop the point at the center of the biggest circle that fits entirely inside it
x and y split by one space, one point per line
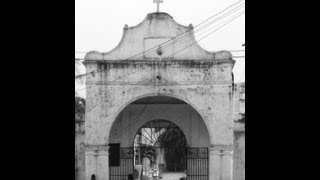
199 34
134 121
185 36
179 50
239 50
207 35
185 33
117 78
181 36
185 47
197 25
79 76
240 1
172 55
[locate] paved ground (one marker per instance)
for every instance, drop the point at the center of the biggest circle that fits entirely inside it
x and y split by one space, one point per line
172 176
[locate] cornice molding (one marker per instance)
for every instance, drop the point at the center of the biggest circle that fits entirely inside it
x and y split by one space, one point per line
90 147
165 62
221 147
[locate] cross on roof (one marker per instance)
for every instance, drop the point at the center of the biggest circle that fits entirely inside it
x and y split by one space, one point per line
158 2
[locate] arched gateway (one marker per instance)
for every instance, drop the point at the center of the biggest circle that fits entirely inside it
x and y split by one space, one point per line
166 132
190 89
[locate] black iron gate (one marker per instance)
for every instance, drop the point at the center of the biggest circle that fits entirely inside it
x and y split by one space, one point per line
125 167
197 164
162 159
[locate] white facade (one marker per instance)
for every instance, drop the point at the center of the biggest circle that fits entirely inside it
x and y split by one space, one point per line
130 72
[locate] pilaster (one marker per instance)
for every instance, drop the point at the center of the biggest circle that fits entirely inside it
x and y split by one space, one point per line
97 161
220 162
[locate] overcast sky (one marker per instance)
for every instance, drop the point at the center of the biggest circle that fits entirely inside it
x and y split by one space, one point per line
99 25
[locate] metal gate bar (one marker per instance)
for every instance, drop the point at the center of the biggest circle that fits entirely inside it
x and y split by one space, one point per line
197 164
126 165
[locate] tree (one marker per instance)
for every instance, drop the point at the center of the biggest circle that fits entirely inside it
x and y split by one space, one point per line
79 105
174 143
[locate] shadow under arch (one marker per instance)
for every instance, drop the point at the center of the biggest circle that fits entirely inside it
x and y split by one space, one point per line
124 105
163 143
165 121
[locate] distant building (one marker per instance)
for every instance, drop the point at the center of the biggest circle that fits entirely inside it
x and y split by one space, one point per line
239 132
239 102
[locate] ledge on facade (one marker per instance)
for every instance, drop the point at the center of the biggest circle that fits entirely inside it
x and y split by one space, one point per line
221 147
98 147
163 62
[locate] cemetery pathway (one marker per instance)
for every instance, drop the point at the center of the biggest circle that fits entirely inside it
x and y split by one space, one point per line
172 176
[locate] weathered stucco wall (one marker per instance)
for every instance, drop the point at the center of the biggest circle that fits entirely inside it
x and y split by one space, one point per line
183 115
200 78
206 86
239 151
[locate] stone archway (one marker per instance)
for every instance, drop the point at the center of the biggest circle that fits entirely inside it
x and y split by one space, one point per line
217 154
169 97
152 108
121 108
198 77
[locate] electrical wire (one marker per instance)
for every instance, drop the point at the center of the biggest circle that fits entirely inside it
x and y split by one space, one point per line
134 121
180 44
79 76
206 35
183 48
186 36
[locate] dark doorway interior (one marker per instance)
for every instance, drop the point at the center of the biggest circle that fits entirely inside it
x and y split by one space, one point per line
160 146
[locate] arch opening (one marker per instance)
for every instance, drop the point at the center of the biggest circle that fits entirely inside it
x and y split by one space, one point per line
160 130
160 145
140 110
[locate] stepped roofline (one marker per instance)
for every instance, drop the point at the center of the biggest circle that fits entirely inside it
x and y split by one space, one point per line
140 42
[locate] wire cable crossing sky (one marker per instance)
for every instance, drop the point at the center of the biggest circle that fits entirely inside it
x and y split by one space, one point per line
99 25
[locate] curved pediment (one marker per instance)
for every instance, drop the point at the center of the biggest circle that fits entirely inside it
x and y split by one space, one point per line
158 37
